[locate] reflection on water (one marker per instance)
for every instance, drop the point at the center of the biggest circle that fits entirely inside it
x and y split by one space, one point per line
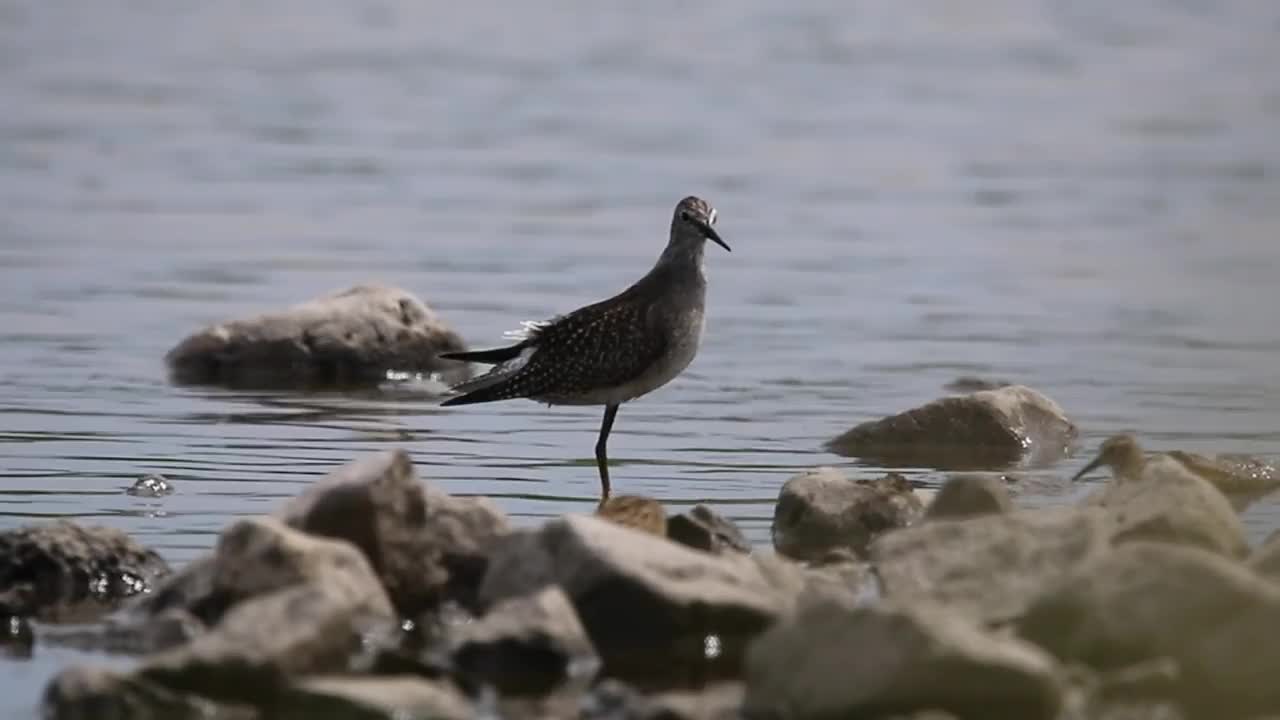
1082 197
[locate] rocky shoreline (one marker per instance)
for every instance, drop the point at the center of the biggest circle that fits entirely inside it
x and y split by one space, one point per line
375 594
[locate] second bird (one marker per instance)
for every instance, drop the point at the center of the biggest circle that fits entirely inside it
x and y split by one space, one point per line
615 350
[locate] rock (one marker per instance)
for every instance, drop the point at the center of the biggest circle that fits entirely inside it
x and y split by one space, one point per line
61 571
373 698
1170 504
1266 559
833 662
1149 600
128 633
615 700
972 383
704 529
190 589
649 605
525 645
634 511
990 567
822 509
965 496
1240 477
976 430
412 538
90 694
353 337
150 486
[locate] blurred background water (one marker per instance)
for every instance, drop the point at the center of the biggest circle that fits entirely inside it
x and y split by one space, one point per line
1080 196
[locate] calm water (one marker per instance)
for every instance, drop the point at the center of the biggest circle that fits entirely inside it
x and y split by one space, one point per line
1080 196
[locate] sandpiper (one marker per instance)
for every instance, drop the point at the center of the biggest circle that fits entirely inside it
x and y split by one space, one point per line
612 351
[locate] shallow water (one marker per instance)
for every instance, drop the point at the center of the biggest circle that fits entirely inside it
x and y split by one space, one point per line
1080 196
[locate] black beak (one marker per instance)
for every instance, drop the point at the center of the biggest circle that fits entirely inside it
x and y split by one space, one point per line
711 233
1087 469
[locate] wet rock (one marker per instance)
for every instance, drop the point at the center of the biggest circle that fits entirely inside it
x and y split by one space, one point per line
636 512
821 510
128 633
830 661
615 700
349 338
61 571
426 545
373 698
649 605
525 645
965 496
972 383
91 694
190 589
1149 600
1168 503
1241 478
150 486
704 529
976 430
990 567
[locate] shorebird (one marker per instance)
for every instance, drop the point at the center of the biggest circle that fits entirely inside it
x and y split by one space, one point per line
1122 454
613 351
1241 479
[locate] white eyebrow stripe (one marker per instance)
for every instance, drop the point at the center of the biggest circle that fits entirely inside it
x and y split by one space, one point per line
711 217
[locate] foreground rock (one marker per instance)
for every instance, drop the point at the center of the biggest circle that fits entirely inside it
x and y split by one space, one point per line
1165 502
61 571
989 568
92 694
635 511
613 700
648 604
704 529
983 428
350 337
835 662
397 697
822 511
525 645
1147 600
969 496
425 545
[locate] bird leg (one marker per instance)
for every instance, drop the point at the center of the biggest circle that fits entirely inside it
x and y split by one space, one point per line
602 456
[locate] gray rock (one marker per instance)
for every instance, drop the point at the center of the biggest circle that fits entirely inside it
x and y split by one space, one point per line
150 486
965 496
649 605
397 697
426 545
975 430
1169 504
91 694
704 529
61 571
833 662
351 337
525 645
991 567
1149 600
190 589
615 700
822 510
128 633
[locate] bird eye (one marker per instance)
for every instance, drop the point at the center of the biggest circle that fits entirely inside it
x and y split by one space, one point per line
684 215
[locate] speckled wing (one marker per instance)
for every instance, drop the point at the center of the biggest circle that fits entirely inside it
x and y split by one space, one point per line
598 347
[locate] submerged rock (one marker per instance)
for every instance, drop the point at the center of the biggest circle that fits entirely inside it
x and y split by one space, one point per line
704 529
834 662
822 510
525 645
90 694
348 338
62 571
991 567
649 605
965 496
635 511
983 428
150 486
1150 600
